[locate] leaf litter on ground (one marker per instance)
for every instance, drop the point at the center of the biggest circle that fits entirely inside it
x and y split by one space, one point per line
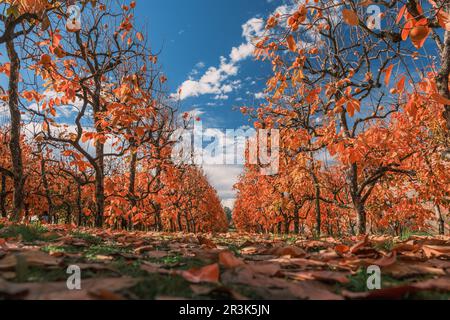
135 265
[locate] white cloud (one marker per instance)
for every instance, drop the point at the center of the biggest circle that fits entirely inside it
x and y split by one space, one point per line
242 52
253 28
223 178
214 80
221 97
260 95
200 65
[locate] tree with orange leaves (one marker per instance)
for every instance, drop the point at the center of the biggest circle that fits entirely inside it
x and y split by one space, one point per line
335 93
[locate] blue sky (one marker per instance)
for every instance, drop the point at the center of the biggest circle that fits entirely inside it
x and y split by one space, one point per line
196 39
193 36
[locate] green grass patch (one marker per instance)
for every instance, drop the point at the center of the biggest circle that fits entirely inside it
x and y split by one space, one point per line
179 262
387 245
408 234
129 268
87 237
154 285
235 249
104 250
28 233
358 281
60 249
41 275
428 295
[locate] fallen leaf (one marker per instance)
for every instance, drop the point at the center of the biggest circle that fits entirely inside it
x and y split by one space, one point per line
228 260
387 260
431 251
294 252
208 243
205 274
326 276
342 249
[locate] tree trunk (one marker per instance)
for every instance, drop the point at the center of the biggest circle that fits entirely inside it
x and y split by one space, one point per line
3 197
287 225
361 216
296 221
317 203
358 203
131 189
279 227
99 185
14 144
180 225
441 221
444 73
68 214
79 206
45 183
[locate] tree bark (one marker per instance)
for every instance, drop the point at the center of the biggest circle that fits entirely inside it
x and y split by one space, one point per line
45 184
3 197
441 221
15 136
443 78
79 205
361 216
317 203
296 221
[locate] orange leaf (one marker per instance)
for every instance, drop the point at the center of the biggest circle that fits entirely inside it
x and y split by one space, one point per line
387 77
360 245
291 43
350 17
206 274
352 106
401 13
228 260
401 85
406 29
440 99
444 19
341 249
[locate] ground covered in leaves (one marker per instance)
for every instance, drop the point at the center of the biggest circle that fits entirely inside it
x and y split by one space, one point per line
139 265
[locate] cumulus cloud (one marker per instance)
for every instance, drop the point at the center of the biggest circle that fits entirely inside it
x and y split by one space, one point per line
260 95
223 178
211 82
215 80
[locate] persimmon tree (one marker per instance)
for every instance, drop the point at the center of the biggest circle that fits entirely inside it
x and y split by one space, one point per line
339 84
98 143
18 18
80 66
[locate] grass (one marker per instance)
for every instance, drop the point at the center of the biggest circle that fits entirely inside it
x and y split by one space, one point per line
154 285
28 233
60 249
86 237
235 249
35 274
104 250
387 245
428 295
179 262
358 281
408 233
